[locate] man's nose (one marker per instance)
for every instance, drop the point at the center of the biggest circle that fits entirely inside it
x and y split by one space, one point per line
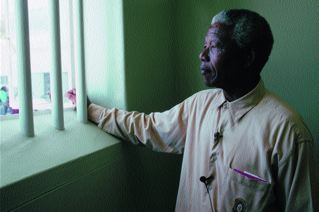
203 56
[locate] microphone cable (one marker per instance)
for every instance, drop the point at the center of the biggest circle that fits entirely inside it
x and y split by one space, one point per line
204 180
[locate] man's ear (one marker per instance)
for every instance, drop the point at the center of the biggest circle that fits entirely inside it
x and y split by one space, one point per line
250 58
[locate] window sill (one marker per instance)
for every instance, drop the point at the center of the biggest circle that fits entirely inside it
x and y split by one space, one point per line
36 112
23 157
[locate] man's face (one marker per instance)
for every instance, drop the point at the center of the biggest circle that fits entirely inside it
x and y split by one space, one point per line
220 58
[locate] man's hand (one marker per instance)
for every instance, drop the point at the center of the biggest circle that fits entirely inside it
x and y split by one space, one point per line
71 95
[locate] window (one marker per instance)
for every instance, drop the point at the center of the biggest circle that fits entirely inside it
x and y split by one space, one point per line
39 52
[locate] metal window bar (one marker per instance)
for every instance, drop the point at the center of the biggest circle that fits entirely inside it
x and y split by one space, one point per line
81 102
24 66
56 70
24 69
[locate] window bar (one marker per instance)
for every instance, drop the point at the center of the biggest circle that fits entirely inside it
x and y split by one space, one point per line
8 35
24 69
81 97
72 75
56 73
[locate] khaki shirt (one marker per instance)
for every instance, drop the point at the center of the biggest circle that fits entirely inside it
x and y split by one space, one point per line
260 160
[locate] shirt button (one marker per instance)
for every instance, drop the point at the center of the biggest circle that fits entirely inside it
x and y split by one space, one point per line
240 205
239 208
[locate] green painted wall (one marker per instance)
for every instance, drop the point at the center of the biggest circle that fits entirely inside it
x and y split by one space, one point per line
130 66
104 52
149 54
112 181
293 69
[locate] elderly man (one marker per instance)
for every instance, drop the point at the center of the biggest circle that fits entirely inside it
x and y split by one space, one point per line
243 148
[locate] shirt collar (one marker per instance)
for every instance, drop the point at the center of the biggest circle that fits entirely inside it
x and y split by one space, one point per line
220 99
244 104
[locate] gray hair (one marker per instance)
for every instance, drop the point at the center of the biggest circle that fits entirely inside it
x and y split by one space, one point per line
249 31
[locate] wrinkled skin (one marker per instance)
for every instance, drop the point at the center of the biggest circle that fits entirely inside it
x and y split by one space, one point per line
224 65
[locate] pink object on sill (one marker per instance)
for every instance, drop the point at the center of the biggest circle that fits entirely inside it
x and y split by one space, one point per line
71 95
15 111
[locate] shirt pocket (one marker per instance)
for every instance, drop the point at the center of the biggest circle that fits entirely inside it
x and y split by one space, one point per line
238 189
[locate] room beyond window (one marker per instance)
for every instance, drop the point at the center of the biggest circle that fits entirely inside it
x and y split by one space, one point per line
39 53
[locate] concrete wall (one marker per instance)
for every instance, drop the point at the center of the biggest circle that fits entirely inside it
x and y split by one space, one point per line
104 52
129 65
120 183
149 29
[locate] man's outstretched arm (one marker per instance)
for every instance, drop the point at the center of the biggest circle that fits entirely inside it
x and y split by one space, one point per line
163 132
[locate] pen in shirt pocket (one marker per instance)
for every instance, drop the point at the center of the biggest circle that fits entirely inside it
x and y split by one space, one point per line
250 176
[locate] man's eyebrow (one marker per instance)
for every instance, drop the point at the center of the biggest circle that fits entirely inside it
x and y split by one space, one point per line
213 42
206 41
